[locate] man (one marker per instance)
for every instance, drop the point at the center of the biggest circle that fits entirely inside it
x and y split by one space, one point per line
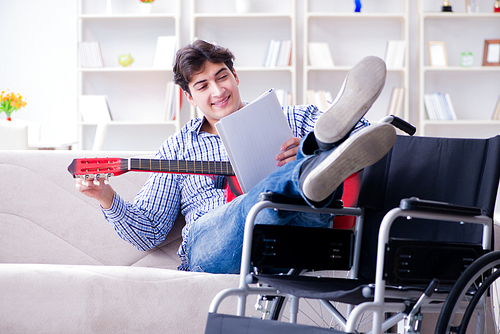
335 144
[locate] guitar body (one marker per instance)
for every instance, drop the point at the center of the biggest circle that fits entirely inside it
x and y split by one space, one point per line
232 189
104 168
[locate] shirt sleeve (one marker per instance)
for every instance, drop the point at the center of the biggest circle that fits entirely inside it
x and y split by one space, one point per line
146 222
301 119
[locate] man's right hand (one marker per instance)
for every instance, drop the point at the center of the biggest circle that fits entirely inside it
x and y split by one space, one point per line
104 193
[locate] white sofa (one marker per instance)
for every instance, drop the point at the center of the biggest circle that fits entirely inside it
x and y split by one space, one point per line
63 269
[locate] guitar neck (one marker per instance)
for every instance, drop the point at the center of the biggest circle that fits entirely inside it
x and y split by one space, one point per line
180 166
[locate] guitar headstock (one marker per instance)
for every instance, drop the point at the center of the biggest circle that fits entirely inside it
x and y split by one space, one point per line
97 168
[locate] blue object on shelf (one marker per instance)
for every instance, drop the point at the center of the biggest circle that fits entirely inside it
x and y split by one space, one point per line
358 6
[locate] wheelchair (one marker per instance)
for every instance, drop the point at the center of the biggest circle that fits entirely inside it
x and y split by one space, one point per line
422 243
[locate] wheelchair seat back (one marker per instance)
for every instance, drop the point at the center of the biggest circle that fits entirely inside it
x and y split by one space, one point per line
457 171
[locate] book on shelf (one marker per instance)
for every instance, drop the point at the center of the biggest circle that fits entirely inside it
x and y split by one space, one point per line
496 112
252 137
94 109
89 54
449 106
395 54
396 102
320 98
439 106
173 91
320 55
165 52
278 53
285 54
285 98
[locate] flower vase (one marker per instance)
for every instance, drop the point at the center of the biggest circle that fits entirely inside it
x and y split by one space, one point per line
9 119
146 8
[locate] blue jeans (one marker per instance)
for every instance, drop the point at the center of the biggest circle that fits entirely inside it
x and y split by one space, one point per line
215 240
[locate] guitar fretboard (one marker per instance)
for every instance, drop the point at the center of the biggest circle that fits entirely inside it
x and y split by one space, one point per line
182 166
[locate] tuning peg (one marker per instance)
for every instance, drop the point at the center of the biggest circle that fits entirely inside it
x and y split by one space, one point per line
87 177
96 182
106 179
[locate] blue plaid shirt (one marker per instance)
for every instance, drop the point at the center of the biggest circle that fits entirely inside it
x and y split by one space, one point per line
146 222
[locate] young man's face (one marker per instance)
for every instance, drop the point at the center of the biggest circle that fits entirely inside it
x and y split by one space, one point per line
215 91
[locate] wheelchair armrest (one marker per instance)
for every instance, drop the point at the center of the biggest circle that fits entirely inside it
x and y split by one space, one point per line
417 204
278 198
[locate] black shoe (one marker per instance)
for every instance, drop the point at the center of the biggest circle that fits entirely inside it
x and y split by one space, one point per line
324 173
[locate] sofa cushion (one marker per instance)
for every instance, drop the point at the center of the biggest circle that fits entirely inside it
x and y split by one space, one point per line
41 298
44 219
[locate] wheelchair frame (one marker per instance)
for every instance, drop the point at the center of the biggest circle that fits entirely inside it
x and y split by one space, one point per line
381 298
378 306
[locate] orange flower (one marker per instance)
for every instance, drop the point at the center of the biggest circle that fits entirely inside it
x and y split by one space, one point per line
10 102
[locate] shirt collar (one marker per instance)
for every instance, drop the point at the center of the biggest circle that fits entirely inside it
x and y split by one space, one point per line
196 124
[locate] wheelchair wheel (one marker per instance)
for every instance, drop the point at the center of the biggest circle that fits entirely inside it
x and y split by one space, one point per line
473 303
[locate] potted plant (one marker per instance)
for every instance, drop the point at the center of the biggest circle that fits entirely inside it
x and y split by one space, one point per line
10 102
146 6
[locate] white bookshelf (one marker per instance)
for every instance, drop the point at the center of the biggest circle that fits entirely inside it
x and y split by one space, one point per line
136 94
474 91
352 36
248 35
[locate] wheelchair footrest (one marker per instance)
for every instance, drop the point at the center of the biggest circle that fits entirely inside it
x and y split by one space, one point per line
301 247
418 262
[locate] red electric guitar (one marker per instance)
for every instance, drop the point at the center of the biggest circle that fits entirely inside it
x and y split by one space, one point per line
92 168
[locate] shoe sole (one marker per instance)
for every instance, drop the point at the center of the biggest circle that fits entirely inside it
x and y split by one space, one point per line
360 89
360 150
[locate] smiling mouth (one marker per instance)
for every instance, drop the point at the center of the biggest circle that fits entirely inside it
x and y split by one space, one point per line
222 101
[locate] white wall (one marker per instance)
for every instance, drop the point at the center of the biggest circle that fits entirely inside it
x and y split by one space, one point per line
38 59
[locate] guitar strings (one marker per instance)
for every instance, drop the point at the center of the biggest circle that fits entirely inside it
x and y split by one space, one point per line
183 166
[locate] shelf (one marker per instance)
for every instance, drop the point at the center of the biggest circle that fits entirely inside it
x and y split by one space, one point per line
398 16
473 90
126 16
461 122
461 69
462 128
340 31
441 15
263 69
123 70
134 123
347 68
139 88
239 16
262 22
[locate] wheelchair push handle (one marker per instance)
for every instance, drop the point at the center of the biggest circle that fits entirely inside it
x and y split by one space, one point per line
400 124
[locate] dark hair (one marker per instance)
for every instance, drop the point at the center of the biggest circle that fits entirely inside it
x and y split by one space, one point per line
190 60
